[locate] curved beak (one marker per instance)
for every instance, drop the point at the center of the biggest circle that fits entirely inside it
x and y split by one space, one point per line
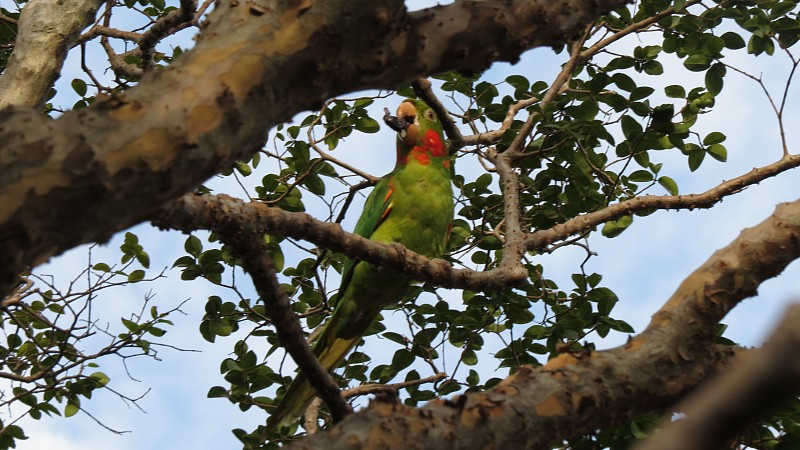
404 123
406 116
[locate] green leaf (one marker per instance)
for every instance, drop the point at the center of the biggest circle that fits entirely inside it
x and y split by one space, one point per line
277 257
363 102
781 9
669 184
469 357
631 128
100 378
479 258
675 91
653 68
587 110
641 92
485 92
473 378
606 301
679 5
715 78
624 82
395 337
641 176
193 246
243 168
15 431
367 124
79 86
696 159
733 41
402 359
130 325
144 259
448 387
718 152
615 227
314 184
157 332
715 137
636 431
101 267
697 62
217 392
621 326
184 261
136 275
518 81
71 409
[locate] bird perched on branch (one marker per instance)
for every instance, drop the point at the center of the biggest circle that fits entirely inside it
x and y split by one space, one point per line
413 206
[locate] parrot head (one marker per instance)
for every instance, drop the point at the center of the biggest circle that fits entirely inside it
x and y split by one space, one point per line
418 128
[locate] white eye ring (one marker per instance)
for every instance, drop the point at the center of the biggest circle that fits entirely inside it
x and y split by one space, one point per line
429 114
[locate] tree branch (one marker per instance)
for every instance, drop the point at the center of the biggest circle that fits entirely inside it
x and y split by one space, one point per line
760 382
542 238
100 30
46 31
248 244
206 212
163 27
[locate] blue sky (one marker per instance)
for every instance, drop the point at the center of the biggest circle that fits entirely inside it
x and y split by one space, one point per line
643 266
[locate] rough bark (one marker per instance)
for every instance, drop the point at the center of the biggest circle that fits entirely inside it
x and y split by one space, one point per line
757 384
572 394
102 169
212 212
45 32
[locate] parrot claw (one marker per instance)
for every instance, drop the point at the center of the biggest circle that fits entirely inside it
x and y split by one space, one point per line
395 123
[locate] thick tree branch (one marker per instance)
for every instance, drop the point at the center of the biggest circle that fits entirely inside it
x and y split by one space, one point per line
542 238
760 382
209 212
255 65
248 245
571 394
46 31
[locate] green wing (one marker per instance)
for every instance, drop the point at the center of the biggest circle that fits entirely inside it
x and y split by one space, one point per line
376 209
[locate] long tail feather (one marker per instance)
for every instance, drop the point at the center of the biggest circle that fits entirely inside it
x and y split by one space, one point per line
300 393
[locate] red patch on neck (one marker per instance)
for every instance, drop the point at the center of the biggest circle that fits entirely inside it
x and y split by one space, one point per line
431 146
433 143
421 157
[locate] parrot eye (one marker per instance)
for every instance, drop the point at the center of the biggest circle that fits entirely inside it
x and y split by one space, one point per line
429 115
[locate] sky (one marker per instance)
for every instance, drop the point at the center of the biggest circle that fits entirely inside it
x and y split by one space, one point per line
643 266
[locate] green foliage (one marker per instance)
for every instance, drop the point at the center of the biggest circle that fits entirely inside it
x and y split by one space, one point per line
44 352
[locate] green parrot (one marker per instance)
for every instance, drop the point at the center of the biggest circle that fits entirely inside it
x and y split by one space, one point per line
413 206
